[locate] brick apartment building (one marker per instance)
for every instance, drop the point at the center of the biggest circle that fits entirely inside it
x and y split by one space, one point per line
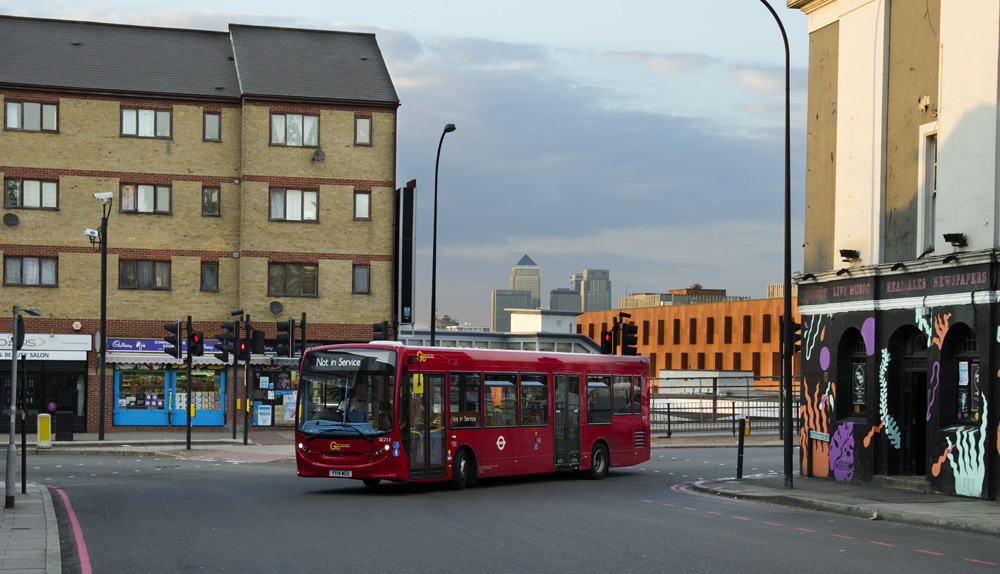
735 335
251 169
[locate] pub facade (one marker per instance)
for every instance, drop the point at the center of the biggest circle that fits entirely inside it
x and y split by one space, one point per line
896 374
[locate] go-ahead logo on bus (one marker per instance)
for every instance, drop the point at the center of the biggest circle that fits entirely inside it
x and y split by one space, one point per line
421 356
334 445
501 442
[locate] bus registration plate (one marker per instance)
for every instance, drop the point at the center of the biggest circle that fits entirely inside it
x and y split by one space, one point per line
341 473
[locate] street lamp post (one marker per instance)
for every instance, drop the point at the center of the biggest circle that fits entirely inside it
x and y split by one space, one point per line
17 336
100 239
789 348
434 250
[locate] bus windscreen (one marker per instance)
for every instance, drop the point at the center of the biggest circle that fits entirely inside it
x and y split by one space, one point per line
347 393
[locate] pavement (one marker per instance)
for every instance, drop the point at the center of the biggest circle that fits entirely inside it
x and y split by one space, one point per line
29 533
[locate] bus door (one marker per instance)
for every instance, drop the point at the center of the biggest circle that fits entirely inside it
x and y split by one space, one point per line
567 421
422 426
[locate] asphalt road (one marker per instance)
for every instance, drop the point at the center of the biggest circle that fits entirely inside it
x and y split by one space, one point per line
161 514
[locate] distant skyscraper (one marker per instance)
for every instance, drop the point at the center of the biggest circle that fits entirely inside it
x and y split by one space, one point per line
525 275
565 300
576 282
596 290
507 299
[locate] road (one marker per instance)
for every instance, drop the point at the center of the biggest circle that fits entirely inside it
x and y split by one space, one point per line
162 514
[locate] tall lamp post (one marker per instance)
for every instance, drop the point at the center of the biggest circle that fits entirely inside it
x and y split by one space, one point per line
16 340
789 348
99 240
434 250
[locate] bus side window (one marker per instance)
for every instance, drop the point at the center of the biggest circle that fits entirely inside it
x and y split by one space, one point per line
464 400
598 399
534 400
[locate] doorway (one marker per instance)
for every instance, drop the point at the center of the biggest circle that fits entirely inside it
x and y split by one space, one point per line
567 421
422 410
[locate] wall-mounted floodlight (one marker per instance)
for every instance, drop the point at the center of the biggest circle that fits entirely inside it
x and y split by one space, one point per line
318 155
956 239
850 255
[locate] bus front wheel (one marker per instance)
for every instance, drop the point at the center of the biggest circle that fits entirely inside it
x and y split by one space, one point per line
371 482
599 462
460 469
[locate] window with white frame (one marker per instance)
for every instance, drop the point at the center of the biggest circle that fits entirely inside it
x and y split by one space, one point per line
213 127
210 202
926 188
134 274
146 123
295 130
145 199
31 116
31 194
294 204
362 205
362 131
30 271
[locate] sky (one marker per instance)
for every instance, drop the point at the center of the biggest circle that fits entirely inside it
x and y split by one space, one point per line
641 136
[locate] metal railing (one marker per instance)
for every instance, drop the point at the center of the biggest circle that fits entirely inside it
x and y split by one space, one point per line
718 404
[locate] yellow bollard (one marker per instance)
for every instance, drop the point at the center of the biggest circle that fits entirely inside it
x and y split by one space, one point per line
44 430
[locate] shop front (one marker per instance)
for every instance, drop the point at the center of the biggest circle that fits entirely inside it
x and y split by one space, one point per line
52 375
151 391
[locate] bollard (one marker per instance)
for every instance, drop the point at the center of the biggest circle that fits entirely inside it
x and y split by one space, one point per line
739 455
44 430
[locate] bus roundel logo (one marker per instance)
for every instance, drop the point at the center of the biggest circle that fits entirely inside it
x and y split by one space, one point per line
501 442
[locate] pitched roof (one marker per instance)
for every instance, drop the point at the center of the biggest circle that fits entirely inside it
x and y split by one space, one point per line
61 54
317 64
526 261
246 61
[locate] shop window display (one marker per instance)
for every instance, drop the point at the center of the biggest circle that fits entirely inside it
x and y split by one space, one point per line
275 396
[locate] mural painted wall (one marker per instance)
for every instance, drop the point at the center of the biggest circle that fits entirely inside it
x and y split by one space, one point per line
926 380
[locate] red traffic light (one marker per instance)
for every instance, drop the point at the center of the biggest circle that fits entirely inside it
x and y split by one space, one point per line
196 337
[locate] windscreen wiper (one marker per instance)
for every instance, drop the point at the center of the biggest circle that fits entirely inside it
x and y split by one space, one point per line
342 426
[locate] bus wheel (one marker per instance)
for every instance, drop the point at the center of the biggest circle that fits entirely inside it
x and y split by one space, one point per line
460 468
599 462
371 482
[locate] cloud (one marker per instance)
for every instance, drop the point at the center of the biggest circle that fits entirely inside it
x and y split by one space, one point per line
768 79
667 63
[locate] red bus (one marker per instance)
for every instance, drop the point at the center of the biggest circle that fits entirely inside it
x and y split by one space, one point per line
378 412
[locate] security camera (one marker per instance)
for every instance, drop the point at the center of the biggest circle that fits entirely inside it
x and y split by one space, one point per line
104 196
91 233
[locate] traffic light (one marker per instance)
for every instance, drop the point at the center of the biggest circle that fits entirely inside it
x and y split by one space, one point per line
226 339
380 331
257 342
243 353
607 348
629 338
18 332
174 339
286 338
796 337
196 343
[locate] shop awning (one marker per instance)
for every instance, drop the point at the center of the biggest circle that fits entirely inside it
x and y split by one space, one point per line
164 359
